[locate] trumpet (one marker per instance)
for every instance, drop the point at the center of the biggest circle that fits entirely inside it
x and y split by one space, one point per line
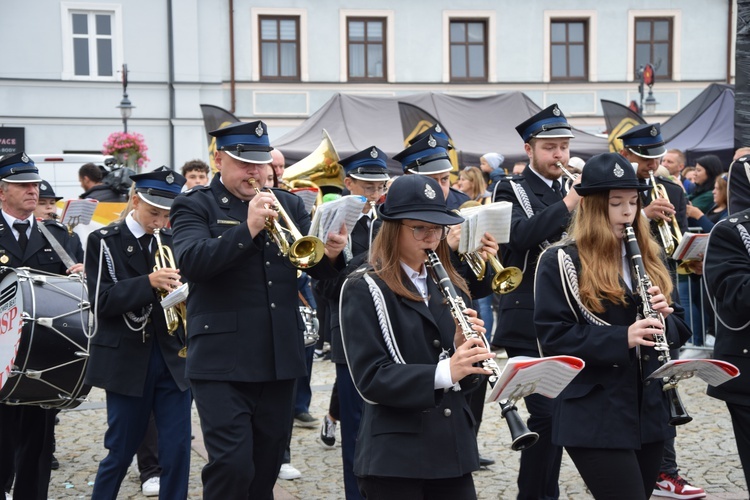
571 177
521 436
304 251
175 314
677 413
669 231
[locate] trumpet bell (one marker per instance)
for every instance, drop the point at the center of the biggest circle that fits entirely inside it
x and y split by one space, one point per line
305 252
321 167
507 280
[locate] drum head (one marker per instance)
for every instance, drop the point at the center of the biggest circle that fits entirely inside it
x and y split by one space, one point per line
11 321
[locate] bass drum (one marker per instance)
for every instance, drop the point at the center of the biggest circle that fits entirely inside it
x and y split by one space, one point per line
46 349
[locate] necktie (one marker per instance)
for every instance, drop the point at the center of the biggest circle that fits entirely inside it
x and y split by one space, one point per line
145 242
556 187
23 239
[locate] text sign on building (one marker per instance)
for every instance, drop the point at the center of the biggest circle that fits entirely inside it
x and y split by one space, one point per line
11 140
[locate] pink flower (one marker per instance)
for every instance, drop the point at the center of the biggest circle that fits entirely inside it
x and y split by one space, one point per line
126 145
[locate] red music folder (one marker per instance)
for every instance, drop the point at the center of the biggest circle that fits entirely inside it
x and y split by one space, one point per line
712 371
523 376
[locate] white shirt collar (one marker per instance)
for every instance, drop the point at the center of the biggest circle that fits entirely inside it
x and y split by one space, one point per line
548 182
134 226
9 219
418 278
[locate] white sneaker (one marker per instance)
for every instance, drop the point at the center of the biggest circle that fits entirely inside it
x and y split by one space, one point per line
151 487
288 472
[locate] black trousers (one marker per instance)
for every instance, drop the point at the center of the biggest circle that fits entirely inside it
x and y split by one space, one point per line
619 474
399 488
741 423
539 473
148 453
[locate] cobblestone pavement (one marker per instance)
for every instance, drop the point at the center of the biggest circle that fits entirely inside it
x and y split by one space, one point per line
706 452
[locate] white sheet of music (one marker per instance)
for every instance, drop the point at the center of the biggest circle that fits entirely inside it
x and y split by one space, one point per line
692 246
180 294
711 371
493 218
524 375
330 216
78 211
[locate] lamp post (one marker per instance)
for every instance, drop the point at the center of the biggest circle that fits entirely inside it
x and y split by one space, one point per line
126 107
646 77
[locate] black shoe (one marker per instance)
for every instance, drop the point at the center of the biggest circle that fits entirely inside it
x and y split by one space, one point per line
55 464
485 462
305 420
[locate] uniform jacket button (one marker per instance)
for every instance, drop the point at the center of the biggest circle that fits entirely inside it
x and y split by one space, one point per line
268 243
447 412
744 351
270 283
647 382
435 343
646 357
205 327
273 306
268 264
241 245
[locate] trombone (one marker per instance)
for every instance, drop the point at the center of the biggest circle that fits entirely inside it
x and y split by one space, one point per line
165 258
304 251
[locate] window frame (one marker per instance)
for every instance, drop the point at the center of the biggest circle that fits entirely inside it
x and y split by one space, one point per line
298 33
670 40
586 44
384 43
485 44
631 71
67 9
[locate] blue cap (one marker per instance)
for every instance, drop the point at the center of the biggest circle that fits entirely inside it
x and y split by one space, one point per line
244 141
429 155
549 123
417 197
367 165
46 191
18 168
607 171
644 140
436 130
160 187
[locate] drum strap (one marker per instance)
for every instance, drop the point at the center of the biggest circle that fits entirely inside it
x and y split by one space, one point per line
56 246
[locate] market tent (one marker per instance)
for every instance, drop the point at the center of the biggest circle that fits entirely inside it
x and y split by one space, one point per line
704 126
477 125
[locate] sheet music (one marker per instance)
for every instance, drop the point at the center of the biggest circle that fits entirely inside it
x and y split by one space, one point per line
493 218
309 196
524 375
712 371
179 294
78 211
330 216
691 247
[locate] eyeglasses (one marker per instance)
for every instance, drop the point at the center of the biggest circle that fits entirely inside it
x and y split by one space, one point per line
421 232
370 189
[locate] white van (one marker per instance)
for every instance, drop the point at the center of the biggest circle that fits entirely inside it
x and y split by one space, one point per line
61 171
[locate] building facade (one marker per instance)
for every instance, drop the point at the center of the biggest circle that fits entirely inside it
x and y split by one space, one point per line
61 76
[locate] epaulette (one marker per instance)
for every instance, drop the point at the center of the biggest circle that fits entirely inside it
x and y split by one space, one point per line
513 177
54 223
108 231
197 188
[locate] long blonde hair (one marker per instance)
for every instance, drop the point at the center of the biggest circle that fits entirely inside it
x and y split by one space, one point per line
478 186
385 258
601 257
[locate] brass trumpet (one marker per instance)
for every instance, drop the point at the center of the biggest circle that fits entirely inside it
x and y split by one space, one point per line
304 251
669 231
165 258
570 175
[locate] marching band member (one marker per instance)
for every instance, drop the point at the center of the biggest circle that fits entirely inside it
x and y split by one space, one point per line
726 271
26 432
133 357
416 438
587 306
541 212
245 332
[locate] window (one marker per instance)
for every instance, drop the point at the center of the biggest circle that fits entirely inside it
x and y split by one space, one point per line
92 44
653 44
279 48
468 50
569 50
367 51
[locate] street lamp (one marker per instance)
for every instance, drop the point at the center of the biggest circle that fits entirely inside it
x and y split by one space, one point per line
647 77
126 107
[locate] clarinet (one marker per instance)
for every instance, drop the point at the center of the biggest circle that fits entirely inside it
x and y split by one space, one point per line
521 436
677 413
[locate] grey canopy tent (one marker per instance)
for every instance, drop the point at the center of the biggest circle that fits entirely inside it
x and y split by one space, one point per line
704 126
477 125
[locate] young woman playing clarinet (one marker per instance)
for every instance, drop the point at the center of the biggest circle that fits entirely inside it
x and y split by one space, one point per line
611 419
408 359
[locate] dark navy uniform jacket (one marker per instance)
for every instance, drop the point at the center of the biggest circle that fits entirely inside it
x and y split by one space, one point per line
408 429
551 218
243 320
609 404
726 270
120 356
39 253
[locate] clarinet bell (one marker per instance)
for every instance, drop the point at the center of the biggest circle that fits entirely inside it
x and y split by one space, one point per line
521 436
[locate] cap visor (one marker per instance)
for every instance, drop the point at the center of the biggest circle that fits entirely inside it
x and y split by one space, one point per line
251 156
23 177
370 177
157 201
556 133
587 190
649 151
438 217
434 167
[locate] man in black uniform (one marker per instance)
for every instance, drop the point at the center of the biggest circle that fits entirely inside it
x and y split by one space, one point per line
541 212
26 432
245 333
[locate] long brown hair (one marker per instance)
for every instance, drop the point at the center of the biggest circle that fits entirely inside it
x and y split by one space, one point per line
478 186
601 257
386 260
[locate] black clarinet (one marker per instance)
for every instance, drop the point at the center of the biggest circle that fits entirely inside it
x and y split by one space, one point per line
677 413
521 436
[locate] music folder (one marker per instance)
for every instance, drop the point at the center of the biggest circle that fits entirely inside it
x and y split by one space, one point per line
176 296
78 212
524 375
692 246
712 371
